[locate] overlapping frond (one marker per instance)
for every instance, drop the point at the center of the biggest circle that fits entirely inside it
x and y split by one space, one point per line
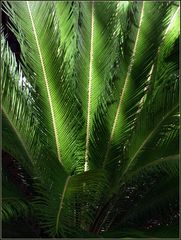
41 53
18 115
137 49
157 199
96 22
68 17
91 106
158 126
68 211
14 203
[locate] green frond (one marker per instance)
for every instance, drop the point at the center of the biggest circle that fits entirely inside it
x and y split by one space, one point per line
68 210
14 208
14 203
130 79
41 53
68 17
158 115
91 112
168 164
156 200
95 32
18 115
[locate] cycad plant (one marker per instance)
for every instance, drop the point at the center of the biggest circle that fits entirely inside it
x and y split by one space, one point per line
90 113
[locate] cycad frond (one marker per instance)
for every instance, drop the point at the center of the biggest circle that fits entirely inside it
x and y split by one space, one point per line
92 65
70 210
14 203
91 112
137 51
157 199
157 119
18 115
41 52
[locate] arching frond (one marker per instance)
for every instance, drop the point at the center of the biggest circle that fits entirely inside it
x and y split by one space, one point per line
59 208
18 115
91 112
14 203
156 199
157 117
56 102
137 52
96 22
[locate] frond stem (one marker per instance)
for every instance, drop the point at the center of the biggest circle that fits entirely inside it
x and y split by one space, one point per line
61 203
89 90
123 91
46 82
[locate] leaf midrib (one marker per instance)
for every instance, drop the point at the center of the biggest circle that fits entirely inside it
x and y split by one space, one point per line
46 84
61 203
89 89
123 91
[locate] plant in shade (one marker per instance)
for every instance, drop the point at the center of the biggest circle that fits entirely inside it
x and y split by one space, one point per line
90 113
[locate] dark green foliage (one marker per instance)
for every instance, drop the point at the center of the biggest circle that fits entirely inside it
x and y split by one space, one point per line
90 113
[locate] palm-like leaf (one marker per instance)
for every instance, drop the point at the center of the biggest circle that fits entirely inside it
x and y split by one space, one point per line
58 206
157 199
14 204
17 105
47 67
14 201
97 84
